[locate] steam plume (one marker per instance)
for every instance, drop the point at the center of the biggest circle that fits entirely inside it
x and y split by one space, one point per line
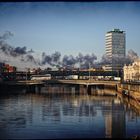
15 52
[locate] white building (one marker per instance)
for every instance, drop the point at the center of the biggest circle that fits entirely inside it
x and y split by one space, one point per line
115 47
132 72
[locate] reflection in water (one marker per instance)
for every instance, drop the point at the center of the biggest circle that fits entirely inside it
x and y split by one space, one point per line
67 116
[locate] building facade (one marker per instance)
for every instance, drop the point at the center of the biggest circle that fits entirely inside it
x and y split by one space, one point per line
132 72
115 48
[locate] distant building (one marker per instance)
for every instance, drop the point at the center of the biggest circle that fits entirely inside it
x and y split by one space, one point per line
132 72
7 68
115 48
107 67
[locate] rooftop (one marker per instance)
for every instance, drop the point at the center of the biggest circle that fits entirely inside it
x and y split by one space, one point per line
115 31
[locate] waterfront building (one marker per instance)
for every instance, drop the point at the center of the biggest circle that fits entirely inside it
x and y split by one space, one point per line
115 48
132 72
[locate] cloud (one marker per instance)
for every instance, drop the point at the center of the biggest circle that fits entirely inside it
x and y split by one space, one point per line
15 53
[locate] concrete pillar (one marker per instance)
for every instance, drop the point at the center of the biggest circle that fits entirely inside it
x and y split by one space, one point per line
89 89
77 89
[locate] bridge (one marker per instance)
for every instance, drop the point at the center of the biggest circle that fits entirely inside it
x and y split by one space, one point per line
74 82
89 82
30 86
35 85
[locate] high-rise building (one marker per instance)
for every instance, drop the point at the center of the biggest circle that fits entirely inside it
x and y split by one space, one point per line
115 48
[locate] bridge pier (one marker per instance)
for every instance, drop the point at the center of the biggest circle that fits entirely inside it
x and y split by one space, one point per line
88 89
30 89
82 90
77 89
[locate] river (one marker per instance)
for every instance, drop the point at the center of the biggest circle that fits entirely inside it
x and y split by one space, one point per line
59 112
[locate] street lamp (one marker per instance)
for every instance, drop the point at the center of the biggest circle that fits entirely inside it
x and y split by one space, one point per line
26 73
89 71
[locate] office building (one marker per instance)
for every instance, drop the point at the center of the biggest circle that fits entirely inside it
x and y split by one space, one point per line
115 48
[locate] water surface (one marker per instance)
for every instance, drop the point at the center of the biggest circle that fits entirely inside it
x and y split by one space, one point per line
34 115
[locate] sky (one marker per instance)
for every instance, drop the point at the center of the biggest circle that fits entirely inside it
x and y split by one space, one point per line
69 27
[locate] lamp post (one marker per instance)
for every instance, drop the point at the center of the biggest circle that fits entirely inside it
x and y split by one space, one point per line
138 73
89 71
26 73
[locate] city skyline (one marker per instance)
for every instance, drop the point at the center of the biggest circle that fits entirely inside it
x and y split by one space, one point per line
69 27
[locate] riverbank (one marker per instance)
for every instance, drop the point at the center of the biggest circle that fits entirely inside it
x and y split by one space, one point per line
130 90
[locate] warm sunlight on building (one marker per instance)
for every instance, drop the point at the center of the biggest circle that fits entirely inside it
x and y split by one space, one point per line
132 72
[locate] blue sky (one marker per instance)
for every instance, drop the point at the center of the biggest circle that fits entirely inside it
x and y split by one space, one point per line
69 27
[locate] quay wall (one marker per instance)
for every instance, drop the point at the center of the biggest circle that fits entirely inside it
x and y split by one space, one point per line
129 89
